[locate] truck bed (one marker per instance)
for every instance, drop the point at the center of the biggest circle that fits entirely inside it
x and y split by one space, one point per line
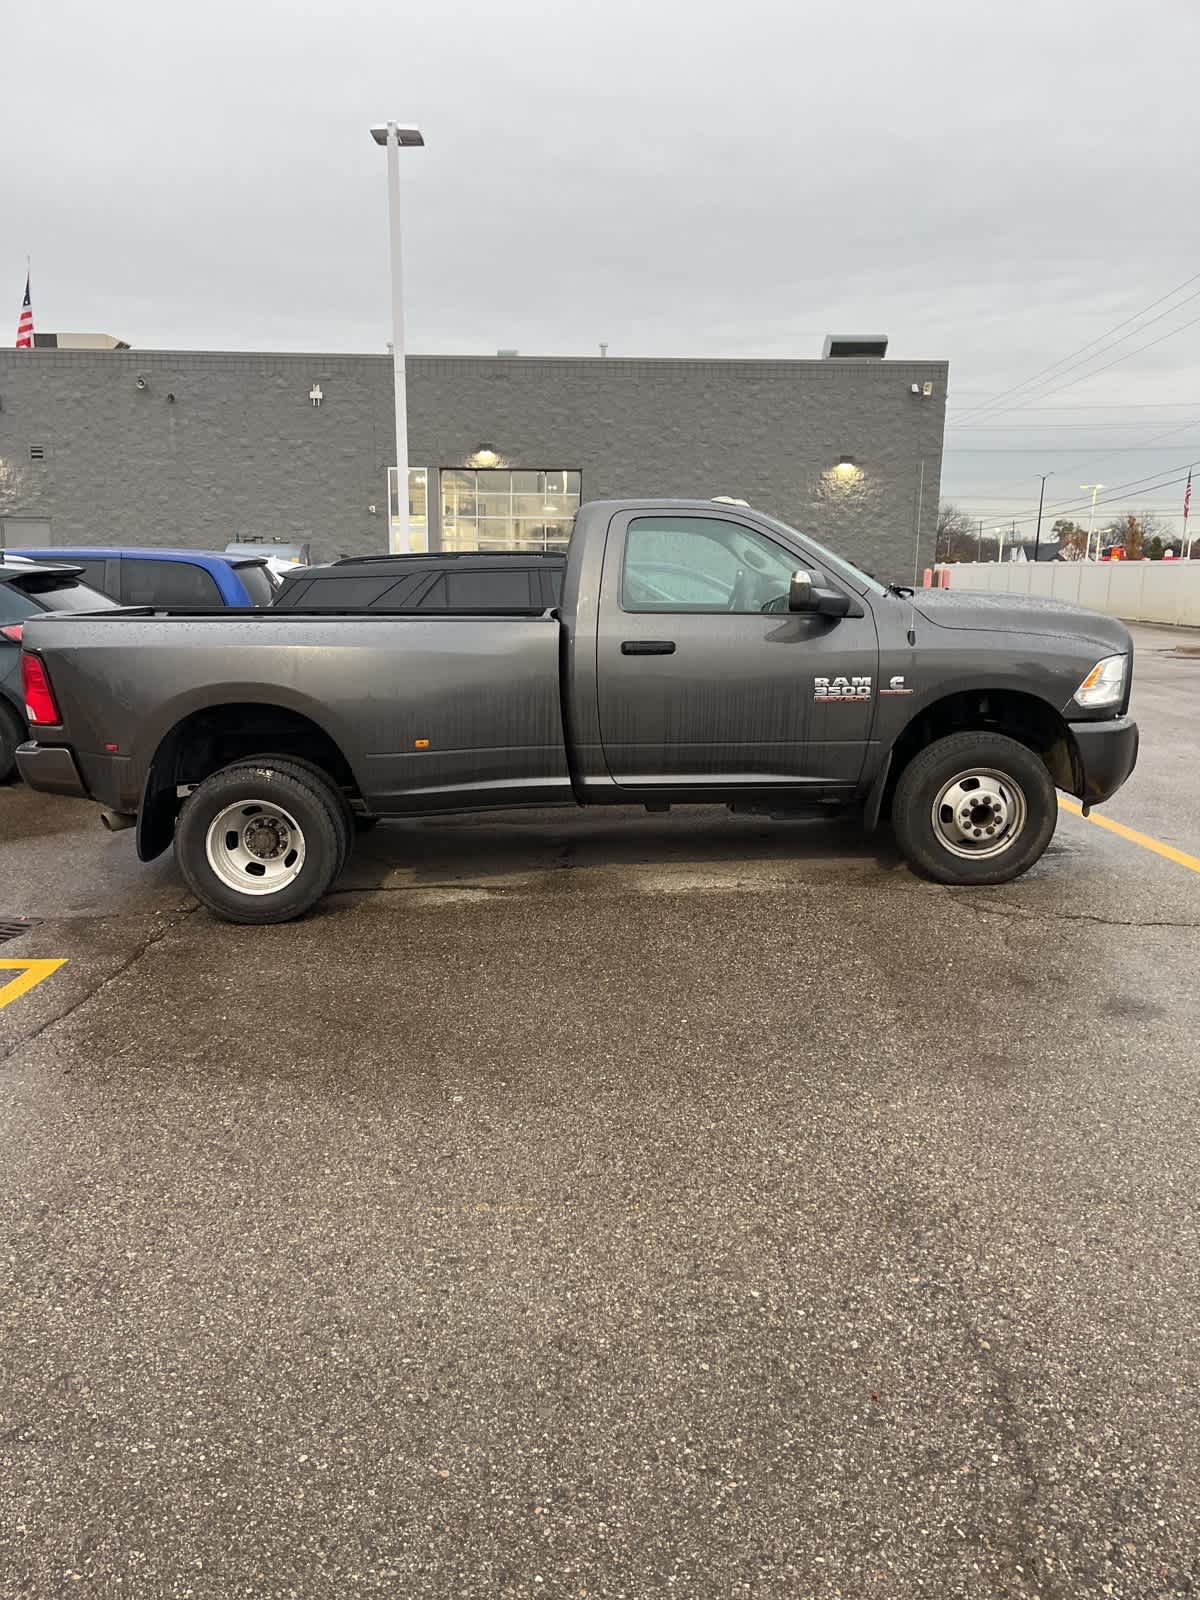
420 703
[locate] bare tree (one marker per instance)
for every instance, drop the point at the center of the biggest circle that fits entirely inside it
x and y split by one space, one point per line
1132 534
957 534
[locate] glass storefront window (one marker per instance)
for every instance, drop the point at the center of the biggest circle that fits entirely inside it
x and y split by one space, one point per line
498 509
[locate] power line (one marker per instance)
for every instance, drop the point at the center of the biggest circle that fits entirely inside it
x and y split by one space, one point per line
1106 405
1040 450
1040 391
1052 427
1126 491
1135 488
1096 371
1069 361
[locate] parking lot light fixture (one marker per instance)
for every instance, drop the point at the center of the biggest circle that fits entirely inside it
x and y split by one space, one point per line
393 135
1095 489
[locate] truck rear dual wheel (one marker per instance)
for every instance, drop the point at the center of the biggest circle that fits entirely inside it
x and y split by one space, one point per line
974 808
262 841
343 816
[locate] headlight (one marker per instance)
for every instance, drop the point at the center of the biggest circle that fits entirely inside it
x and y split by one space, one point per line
1104 684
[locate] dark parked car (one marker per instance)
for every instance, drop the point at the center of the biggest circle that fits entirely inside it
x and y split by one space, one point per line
28 588
699 654
153 577
447 581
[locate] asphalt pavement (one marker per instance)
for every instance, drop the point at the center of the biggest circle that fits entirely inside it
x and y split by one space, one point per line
610 1205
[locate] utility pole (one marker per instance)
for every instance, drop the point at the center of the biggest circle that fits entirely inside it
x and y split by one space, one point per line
1095 488
1037 538
979 542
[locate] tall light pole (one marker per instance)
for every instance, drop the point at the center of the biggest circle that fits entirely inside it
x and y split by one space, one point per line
393 135
1037 538
1095 488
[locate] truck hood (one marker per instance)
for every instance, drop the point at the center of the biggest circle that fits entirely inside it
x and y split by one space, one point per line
1020 613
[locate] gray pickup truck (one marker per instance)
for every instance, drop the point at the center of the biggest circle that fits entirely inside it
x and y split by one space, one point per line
700 653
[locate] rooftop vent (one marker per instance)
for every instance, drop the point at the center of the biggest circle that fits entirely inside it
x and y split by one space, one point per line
840 345
502 354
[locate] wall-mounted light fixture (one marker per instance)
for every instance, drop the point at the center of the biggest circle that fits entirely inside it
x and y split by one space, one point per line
140 384
485 456
846 467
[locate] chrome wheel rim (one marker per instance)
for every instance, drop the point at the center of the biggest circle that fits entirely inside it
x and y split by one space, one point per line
979 813
255 847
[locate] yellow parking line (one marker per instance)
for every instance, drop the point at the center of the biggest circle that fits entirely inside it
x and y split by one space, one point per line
30 974
1180 857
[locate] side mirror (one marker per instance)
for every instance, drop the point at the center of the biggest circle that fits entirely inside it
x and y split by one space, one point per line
804 595
800 591
831 602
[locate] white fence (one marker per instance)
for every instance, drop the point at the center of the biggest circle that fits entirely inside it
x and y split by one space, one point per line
1137 591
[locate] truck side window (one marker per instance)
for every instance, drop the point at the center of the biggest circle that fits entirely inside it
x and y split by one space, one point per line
701 564
483 589
340 594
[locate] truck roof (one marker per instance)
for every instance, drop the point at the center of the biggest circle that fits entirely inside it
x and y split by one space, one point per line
476 558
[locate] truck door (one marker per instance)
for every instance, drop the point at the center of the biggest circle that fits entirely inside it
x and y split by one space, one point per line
706 681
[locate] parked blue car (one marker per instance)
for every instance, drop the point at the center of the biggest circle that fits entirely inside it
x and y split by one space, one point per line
151 577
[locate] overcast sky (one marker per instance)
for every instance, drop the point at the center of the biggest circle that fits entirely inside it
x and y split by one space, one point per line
993 184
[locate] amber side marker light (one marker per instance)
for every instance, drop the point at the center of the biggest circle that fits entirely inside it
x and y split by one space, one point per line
420 744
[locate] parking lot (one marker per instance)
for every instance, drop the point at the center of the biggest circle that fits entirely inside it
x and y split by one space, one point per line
610 1205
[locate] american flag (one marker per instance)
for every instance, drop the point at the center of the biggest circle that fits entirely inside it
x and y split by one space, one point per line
1187 496
25 321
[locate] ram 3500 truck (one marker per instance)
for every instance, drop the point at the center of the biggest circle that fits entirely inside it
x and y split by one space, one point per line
700 653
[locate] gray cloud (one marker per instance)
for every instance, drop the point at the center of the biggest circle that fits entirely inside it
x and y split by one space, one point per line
995 185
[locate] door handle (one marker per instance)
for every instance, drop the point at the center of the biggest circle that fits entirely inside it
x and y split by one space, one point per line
648 647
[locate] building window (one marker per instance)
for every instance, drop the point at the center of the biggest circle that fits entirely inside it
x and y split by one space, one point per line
485 509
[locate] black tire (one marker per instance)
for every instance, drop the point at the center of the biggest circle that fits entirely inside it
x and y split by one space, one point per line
339 806
12 733
304 801
1008 826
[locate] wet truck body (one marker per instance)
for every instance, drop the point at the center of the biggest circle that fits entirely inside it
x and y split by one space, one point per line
700 653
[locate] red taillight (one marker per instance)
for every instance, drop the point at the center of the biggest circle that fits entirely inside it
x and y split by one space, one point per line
40 704
13 632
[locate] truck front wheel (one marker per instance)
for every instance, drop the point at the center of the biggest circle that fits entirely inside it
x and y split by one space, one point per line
258 844
974 808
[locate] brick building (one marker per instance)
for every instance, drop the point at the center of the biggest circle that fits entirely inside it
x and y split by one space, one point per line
201 448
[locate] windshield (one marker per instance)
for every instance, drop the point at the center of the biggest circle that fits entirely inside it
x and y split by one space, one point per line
837 564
